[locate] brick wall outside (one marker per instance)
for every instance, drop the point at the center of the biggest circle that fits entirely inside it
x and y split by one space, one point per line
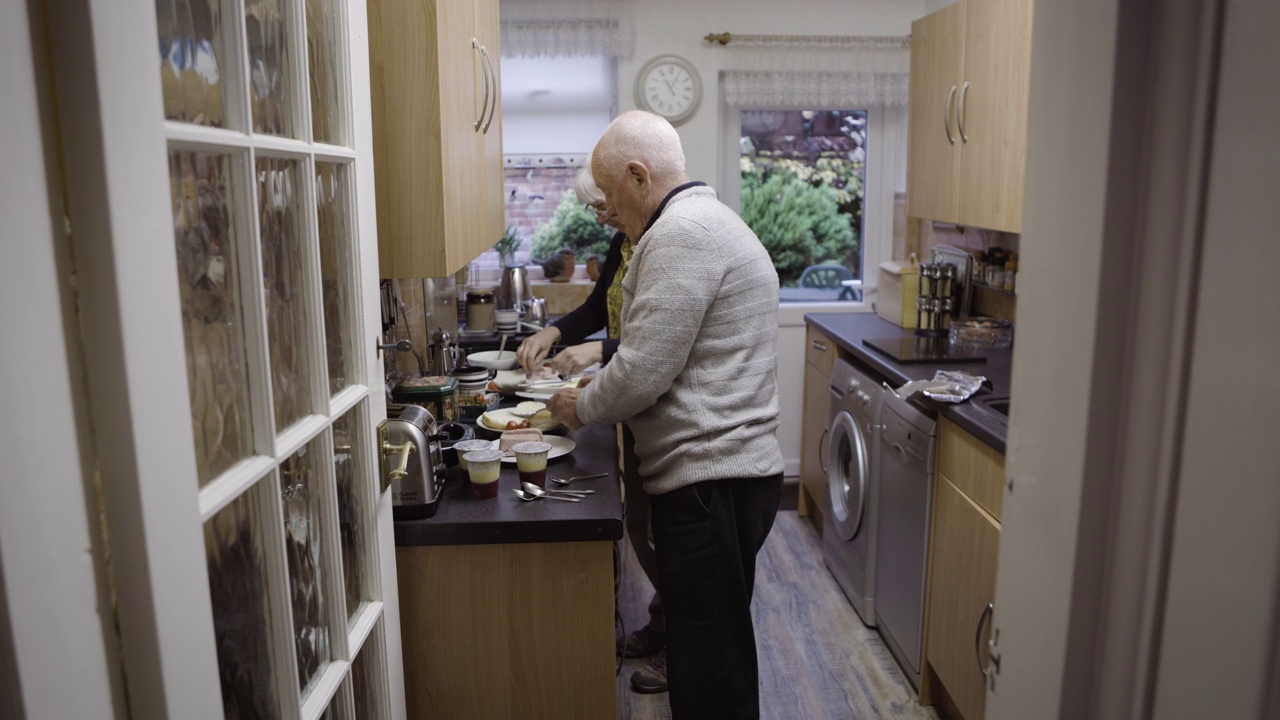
531 197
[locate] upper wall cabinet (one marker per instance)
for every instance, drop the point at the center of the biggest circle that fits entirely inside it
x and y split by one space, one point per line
437 128
967 147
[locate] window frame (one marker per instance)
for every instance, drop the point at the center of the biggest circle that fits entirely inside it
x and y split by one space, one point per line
885 172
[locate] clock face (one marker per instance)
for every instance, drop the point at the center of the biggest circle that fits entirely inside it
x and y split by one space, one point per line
669 88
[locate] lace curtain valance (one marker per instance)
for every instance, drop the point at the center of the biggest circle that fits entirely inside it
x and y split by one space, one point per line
834 72
567 28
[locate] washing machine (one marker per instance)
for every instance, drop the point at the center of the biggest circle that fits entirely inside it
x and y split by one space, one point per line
849 532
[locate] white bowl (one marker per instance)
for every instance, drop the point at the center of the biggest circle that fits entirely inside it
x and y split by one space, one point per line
505 360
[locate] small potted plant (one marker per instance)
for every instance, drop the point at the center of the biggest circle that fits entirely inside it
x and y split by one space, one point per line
507 246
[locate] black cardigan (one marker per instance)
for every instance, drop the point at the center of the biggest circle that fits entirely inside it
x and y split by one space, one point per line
593 315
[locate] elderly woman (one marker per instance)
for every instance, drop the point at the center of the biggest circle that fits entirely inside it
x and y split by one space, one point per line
603 310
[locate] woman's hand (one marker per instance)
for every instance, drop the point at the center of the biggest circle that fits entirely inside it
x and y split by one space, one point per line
573 360
535 348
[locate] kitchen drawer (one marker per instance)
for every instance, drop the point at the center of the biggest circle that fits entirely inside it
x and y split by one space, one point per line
820 351
974 467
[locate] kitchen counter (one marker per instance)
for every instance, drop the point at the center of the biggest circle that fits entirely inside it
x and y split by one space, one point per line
497 593
848 330
464 520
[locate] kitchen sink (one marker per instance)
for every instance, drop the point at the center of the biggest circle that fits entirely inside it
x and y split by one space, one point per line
996 406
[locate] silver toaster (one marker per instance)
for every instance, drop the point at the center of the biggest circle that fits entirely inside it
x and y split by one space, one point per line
411 461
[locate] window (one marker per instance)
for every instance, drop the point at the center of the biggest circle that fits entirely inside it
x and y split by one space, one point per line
802 178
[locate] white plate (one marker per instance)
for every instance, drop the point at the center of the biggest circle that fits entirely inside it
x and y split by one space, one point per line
559 446
502 416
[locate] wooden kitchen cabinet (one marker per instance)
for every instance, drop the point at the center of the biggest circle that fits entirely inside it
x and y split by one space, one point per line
820 358
437 128
970 68
964 547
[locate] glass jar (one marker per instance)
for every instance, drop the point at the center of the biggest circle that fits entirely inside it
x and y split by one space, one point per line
480 307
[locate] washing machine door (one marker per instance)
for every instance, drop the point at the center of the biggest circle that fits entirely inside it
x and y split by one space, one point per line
848 475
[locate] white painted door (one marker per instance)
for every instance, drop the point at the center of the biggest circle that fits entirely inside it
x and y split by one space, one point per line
219 181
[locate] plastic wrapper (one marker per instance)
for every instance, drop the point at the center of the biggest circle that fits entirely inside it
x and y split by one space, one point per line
946 386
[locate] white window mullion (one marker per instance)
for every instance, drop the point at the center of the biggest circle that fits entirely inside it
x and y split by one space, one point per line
296 35
284 656
333 153
362 629
231 484
235 90
257 345
297 435
324 688
316 366
346 399
334 587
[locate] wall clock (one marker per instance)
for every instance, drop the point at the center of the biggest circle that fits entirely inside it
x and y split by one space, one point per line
669 86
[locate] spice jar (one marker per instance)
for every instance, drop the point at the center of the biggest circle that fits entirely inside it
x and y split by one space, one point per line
480 307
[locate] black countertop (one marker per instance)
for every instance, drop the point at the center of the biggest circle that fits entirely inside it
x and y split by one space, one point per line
464 520
848 330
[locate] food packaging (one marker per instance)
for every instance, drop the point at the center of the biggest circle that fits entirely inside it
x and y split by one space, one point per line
983 332
437 393
896 295
950 386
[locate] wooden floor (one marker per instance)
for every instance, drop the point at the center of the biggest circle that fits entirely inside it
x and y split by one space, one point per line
817 659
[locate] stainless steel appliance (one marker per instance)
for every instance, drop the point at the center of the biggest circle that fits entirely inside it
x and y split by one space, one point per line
906 458
849 537
513 289
411 462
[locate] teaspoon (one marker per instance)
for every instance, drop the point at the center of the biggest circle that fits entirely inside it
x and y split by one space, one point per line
530 497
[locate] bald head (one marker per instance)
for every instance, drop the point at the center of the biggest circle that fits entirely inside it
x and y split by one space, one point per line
637 161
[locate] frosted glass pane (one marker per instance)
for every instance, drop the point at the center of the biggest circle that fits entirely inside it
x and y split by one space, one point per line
355 517
212 323
282 263
191 52
322 55
365 678
335 273
233 546
300 495
270 81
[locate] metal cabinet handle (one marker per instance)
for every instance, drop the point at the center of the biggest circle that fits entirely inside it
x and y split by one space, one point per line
822 455
964 92
946 115
490 74
484 104
977 638
818 346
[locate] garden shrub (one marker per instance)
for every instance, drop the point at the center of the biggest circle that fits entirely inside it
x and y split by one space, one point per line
574 227
804 215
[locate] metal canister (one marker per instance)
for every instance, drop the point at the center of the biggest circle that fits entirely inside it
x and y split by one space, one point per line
480 307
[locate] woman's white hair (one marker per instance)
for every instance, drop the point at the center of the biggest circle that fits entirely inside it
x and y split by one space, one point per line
642 136
585 186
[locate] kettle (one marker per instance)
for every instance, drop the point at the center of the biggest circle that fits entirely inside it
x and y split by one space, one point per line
442 353
513 289
535 312
411 461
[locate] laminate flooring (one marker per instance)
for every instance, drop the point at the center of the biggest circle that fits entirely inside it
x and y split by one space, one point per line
817 659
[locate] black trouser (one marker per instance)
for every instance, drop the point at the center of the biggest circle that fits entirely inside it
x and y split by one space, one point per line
707 536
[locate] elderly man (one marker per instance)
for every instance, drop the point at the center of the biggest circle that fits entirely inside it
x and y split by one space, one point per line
695 377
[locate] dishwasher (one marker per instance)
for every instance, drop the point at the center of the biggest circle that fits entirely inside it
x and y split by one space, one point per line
908 435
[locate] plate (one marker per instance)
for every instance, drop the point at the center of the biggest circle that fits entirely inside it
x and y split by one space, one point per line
559 446
496 421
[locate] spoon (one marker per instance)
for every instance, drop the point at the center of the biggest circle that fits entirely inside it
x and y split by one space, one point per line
528 497
502 344
540 492
571 480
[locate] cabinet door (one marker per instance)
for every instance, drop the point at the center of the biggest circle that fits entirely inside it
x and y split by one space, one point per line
962 581
997 59
462 105
815 433
933 159
489 206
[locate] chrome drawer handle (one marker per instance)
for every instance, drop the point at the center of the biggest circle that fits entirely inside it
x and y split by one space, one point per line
977 638
818 346
946 115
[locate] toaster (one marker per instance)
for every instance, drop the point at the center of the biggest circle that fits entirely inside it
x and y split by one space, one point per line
411 461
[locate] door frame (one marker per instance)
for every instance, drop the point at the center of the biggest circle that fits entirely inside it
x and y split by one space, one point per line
55 619
136 407
1100 463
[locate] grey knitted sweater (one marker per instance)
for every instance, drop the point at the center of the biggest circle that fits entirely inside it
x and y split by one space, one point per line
695 375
